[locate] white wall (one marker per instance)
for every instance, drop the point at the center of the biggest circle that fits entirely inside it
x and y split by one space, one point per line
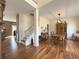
43 23
72 25
9 19
25 21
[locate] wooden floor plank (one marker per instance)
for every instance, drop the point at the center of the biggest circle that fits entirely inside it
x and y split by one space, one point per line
46 50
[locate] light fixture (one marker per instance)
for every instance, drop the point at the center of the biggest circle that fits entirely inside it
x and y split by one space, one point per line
59 20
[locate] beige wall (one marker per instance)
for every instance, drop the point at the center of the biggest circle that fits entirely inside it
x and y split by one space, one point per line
77 22
53 25
25 21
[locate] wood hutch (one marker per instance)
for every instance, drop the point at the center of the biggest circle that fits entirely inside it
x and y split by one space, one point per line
61 27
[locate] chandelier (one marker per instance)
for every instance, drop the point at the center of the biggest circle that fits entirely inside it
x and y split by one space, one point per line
59 20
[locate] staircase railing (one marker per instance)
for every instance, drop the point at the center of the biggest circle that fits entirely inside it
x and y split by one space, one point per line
28 32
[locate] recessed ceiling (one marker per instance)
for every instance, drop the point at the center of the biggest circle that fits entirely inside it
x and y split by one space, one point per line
42 2
16 6
67 8
49 9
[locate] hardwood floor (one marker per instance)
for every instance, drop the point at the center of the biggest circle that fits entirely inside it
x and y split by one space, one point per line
46 50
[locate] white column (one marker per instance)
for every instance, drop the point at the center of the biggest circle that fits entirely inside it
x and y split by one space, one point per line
36 30
17 25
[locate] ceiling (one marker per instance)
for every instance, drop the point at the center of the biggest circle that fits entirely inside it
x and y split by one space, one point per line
41 3
16 6
48 8
67 8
